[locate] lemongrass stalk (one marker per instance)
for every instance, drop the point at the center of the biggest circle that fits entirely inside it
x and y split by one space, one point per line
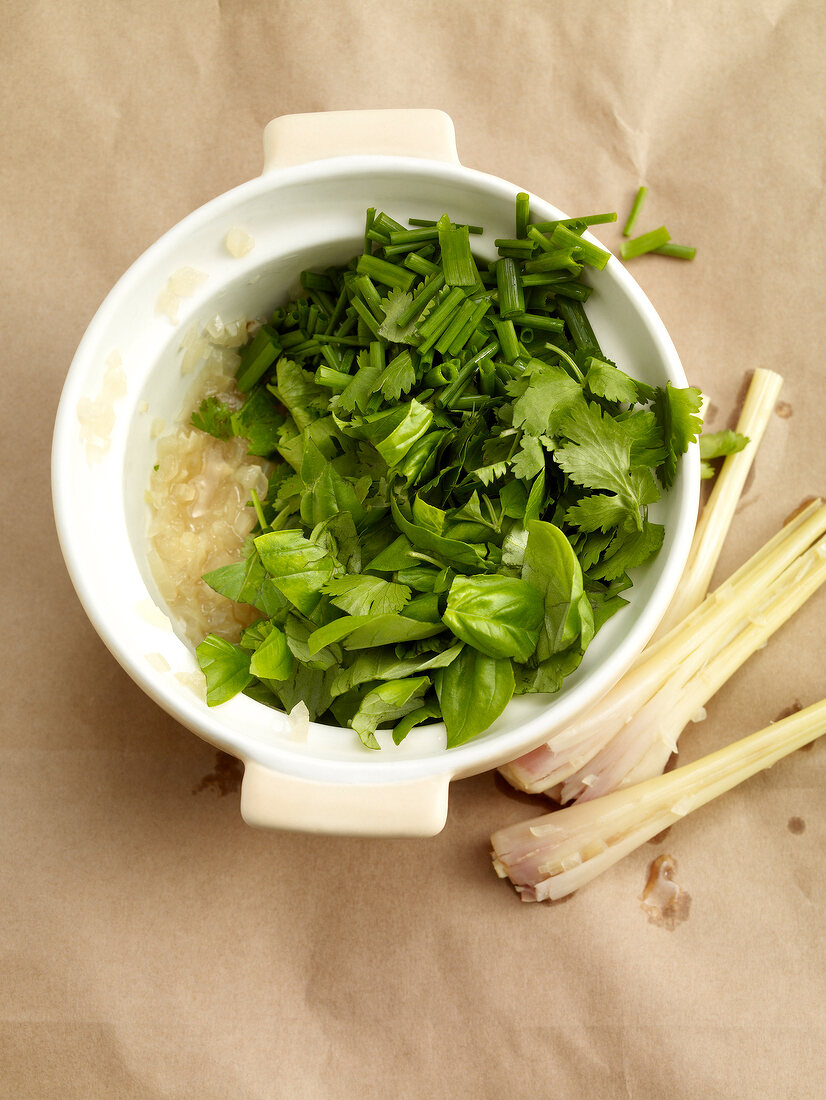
718 513
653 732
553 855
715 618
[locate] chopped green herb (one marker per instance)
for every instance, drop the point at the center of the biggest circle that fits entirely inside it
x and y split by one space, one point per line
678 251
462 480
647 242
639 199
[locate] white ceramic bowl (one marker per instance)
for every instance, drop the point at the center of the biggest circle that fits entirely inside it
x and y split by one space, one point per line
321 173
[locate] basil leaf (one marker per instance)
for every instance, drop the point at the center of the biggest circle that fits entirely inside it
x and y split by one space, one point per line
414 718
298 567
273 659
226 667
383 664
462 556
473 691
499 616
366 631
551 566
386 703
394 433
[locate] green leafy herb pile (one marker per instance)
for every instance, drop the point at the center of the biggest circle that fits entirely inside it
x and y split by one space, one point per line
461 486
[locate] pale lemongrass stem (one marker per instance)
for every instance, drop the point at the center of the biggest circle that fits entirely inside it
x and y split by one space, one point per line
669 711
624 820
718 513
791 540
604 720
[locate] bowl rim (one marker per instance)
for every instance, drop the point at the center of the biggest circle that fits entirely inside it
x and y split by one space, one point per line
476 755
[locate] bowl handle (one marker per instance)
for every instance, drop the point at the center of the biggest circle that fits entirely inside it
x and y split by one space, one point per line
272 800
295 139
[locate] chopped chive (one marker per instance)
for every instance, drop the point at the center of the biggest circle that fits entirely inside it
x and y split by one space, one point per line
437 321
546 278
589 253
415 236
647 242
439 316
509 286
331 356
467 332
487 373
680 251
350 319
379 238
639 199
457 261
426 222
578 324
537 321
506 334
419 264
257 357
365 317
377 359
442 374
340 306
324 338
387 225
259 511
368 225
554 261
454 390
540 239
589 219
312 280
381 271
332 379
423 249
516 250
522 213
370 295
457 324
426 292
312 319
290 339
579 291
322 301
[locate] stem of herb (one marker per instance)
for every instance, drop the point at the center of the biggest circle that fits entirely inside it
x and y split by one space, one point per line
509 286
647 242
639 199
679 251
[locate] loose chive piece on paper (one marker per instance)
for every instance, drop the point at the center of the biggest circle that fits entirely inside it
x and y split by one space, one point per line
639 199
680 251
638 246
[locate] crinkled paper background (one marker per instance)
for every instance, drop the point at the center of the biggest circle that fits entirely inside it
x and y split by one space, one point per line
153 946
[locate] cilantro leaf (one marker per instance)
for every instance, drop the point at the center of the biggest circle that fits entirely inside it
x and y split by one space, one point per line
397 377
394 305
551 395
676 411
361 594
214 417
628 550
530 459
605 379
598 456
718 445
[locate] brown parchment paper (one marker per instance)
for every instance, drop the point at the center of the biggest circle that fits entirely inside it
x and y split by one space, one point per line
152 945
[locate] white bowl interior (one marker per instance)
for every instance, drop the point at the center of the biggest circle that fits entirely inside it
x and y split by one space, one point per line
299 218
